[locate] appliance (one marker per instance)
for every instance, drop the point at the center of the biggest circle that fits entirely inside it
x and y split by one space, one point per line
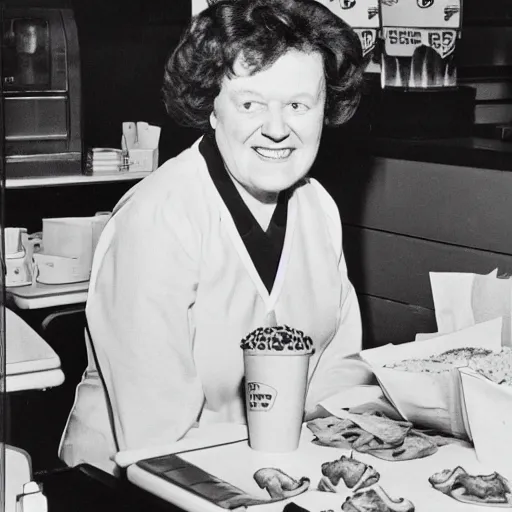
42 91
18 257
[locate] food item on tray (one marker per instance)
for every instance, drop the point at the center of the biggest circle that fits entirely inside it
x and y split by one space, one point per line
377 435
347 472
277 339
496 366
415 446
357 430
280 485
489 490
375 499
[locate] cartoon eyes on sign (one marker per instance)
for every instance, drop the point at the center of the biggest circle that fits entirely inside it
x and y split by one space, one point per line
423 4
372 12
347 4
450 10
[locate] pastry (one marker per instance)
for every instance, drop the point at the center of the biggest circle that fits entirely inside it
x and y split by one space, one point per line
347 472
375 499
490 490
278 484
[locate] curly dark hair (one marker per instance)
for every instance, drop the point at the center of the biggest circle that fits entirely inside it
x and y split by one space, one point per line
261 30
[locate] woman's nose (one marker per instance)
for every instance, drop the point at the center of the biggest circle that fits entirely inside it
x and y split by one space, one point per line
275 126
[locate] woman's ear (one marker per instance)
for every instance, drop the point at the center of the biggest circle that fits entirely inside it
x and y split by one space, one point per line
213 120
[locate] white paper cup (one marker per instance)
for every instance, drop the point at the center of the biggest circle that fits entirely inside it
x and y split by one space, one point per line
275 394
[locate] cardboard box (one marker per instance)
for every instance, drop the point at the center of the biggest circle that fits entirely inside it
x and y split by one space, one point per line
143 160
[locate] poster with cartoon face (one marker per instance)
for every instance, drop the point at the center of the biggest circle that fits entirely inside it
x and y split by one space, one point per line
420 37
357 13
361 15
421 13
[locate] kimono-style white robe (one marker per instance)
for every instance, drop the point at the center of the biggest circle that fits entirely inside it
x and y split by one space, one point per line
173 290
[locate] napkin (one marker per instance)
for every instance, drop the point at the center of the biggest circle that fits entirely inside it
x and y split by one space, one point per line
465 299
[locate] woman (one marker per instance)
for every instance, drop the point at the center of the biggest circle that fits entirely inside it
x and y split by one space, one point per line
224 237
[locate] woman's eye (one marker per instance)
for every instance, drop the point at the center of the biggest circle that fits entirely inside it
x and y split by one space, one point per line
250 106
298 107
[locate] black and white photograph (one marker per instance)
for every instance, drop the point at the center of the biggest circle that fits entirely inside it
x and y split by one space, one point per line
255 255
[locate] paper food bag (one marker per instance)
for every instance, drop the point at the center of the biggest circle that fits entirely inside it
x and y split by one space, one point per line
432 400
463 300
489 412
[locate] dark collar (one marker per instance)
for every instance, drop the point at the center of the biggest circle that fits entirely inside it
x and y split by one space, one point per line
242 216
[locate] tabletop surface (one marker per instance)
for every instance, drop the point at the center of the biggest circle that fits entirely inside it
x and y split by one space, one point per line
30 362
236 463
38 295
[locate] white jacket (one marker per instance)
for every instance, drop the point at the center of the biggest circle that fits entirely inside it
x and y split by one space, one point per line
173 291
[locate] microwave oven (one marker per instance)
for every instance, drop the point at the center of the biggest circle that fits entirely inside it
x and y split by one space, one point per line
41 89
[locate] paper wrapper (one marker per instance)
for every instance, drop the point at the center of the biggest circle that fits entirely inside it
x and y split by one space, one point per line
489 411
432 400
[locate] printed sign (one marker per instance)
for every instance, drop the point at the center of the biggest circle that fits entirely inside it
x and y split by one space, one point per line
200 5
357 13
260 397
421 13
401 42
368 37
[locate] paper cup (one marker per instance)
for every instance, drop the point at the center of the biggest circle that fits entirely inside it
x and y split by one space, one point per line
275 394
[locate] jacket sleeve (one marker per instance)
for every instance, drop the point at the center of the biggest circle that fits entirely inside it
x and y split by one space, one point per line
339 366
143 285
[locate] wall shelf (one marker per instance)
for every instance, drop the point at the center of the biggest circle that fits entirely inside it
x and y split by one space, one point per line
78 179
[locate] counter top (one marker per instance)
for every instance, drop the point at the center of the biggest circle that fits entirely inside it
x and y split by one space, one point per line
477 152
467 152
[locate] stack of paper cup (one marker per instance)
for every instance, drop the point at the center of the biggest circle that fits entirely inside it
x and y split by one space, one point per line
276 363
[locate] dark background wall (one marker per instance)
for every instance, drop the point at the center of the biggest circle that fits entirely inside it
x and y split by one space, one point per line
124 44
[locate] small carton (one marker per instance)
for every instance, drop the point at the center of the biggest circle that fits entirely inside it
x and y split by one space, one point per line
68 248
419 42
140 140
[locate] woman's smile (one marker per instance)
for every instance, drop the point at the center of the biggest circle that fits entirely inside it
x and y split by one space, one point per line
278 154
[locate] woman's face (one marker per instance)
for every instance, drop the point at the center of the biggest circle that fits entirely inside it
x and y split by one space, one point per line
268 125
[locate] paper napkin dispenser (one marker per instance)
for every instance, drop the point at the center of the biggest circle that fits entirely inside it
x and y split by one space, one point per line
68 247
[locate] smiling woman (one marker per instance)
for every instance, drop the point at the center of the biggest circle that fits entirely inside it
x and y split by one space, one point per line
228 236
